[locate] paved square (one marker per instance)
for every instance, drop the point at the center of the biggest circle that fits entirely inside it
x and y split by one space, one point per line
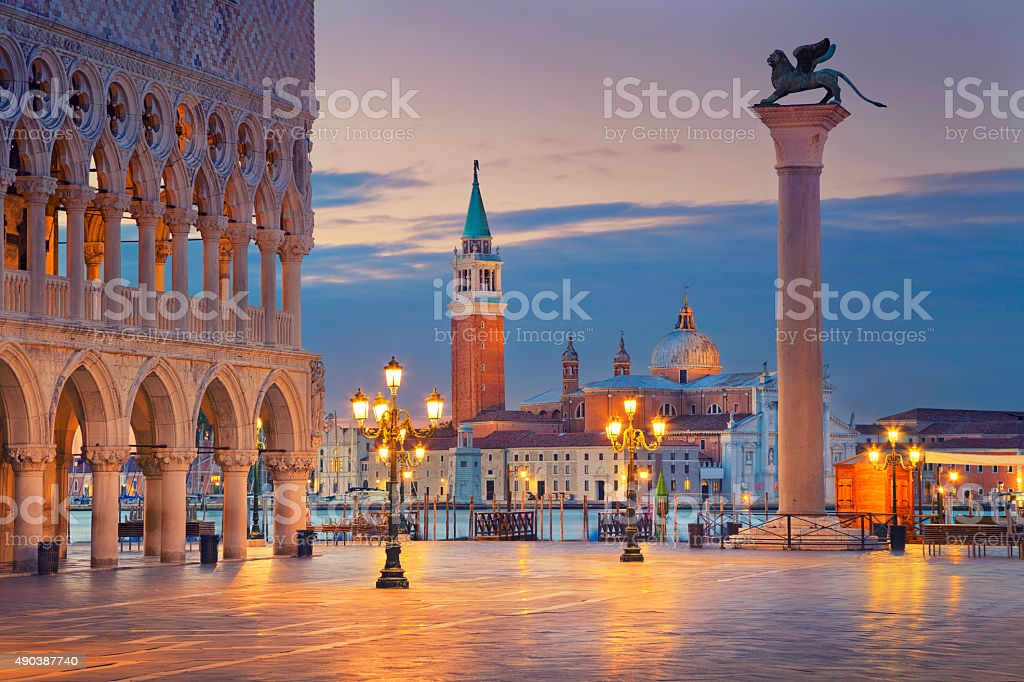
532 611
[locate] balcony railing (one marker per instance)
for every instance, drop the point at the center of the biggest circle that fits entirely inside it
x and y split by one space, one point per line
163 307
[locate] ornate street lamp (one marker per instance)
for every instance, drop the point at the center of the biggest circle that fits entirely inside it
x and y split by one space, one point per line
894 459
630 440
256 532
393 427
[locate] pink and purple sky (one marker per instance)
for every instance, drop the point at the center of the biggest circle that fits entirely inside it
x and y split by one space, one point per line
520 86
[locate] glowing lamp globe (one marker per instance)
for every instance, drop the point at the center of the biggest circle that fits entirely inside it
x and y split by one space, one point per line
360 406
393 373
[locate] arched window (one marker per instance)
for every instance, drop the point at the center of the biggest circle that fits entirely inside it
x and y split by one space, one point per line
580 410
667 410
714 408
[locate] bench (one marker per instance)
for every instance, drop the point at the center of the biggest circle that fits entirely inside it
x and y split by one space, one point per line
131 531
977 537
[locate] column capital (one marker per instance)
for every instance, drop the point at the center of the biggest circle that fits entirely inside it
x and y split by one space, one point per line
269 240
180 220
295 247
163 250
112 205
149 465
289 466
29 457
799 132
105 458
147 212
240 234
174 459
76 197
7 177
225 248
211 226
35 189
235 460
93 252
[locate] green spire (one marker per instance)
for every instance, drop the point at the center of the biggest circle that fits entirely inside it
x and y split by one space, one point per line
476 217
662 489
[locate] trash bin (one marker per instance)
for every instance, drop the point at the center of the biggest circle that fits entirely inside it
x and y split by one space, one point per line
208 548
48 557
305 540
898 538
732 528
696 533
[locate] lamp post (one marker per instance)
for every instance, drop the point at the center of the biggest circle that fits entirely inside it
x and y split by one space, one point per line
256 532
394 426
631 439
523 471
893 460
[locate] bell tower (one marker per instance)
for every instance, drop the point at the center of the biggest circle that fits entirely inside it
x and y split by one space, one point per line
477 314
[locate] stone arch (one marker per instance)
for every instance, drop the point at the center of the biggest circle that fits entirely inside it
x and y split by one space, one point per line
44 64
109 166
176 182
279 407
21 411
69 158
266 205
208 196
292 214
221 398
156 406
143 178
30 153
237 199
94 396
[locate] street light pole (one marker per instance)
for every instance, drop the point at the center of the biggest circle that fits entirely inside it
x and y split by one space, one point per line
394 425
893 459
631 440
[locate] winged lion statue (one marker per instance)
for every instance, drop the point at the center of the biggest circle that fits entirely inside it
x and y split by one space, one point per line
788 79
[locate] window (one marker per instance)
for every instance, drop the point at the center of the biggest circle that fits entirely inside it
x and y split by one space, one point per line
490 472
566 468
586 456
464 464
554 485
682 376
567 457
686 468
555 456
995 470
483 345
615 484
667 410
693 409
672 469
515 457
490 458
1009 469
615 455
581 411
483 367
703 444
600 456
566 488
540 457
616 469
586 485
673 485
586 468
714 408
527 457
735 407
686 485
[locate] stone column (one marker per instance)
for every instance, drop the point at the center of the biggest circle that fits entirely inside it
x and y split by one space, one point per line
35 191
174 463
62 505
235 465
224 269
105 464
152 508
28 462
163 250
290 473
6 180
240 235
211 227
179 222
799 133
76 198
112 208
269 241
146 215
293 249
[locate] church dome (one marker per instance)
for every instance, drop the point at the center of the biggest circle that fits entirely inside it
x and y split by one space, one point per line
622 356
570 354
686 348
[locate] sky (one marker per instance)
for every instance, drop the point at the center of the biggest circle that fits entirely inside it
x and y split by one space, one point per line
636 222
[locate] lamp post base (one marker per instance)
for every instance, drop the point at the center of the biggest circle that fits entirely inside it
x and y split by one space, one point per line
631 554
392 575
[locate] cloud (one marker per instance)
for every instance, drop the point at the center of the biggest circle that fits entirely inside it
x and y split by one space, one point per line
346 189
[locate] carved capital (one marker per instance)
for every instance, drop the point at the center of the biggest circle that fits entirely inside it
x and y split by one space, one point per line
93 252
149 465
147 213
240 234
35 189
180 220
294 248
105 459
799 132
269 240
24 458
76 197
211 226
235 460
289 466
7 177
112 206
174 459
163 250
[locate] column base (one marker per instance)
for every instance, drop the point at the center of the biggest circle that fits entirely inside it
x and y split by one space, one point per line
172 557
392 578
26 566
97 562
631 555
235 552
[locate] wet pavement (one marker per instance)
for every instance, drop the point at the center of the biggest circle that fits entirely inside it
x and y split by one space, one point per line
506 611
